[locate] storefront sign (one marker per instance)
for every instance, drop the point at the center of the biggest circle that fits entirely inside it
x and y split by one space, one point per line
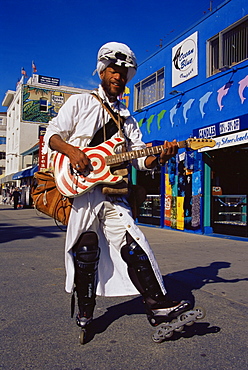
229 126
185 60
43 158
207 132
49 80
42 131
221 128
57 99
237 138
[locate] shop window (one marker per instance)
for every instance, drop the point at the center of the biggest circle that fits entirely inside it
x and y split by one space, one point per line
149 90
228 47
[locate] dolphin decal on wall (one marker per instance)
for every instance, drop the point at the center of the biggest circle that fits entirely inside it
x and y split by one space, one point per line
149 122
173 111
186 107
222 92
160 117
203 100
242 85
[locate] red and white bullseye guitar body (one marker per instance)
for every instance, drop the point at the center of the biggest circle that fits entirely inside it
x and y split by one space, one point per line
72 183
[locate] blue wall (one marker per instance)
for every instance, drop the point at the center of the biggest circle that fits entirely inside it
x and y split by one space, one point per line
202 101
205 100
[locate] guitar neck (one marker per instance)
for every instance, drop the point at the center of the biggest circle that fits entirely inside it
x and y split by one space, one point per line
128 156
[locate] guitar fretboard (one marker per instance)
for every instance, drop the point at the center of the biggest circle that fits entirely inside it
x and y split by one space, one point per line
127 156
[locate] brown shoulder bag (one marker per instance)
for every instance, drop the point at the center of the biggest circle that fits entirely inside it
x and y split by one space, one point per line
48 200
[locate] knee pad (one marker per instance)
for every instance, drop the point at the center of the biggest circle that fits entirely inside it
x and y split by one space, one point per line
87 252
140 270
133 254
86 257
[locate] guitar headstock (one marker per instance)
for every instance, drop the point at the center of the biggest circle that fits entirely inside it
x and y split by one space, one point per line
197 143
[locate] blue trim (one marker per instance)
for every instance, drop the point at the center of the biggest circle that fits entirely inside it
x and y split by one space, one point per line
31 150
162 196
29 172
222 236
208 230
231 237
33 170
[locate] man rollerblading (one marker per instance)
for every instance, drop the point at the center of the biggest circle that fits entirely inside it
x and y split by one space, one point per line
106 254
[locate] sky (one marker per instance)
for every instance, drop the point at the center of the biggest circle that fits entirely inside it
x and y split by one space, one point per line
63 37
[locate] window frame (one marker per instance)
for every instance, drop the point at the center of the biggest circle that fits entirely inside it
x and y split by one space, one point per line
219 40
140 87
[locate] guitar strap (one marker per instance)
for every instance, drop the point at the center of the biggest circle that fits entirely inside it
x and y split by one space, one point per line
106 132
106 106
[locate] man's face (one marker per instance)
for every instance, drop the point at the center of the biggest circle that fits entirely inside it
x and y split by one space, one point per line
114 79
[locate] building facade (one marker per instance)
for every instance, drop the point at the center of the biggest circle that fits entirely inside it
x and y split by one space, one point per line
197 86
30 108
3 126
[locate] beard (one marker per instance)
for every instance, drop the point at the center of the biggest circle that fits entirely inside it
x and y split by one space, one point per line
111 90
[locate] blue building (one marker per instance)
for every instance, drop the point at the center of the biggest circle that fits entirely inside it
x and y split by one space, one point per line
197 86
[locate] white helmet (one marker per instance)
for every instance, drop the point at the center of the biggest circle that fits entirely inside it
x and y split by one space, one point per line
119 54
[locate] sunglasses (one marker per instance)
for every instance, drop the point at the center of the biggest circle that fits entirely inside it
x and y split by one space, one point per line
115 56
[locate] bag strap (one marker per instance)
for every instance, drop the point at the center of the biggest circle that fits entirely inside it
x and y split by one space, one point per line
119 121
104 133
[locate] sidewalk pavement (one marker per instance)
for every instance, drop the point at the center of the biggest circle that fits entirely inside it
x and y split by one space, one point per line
217 265
212 271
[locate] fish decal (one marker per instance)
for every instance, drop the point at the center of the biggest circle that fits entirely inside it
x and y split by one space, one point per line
186 107
173 111
149 122
222 92
141 122
160 117
203 100
242 85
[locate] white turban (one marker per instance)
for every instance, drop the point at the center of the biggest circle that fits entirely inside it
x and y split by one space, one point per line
119 54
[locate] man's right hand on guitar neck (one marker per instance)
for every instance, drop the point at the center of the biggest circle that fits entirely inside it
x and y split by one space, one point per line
170 150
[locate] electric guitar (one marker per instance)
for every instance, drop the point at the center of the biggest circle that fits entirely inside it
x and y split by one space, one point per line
72 183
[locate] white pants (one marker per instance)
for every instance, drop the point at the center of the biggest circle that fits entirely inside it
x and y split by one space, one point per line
111 222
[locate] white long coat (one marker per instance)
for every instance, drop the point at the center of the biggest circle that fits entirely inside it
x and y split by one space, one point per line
77 122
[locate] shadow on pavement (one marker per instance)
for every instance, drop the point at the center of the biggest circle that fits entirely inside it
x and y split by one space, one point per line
181 283
10 233
134 307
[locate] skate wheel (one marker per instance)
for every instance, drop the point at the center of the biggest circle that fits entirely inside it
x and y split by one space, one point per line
169 334
82 336
157 339
180 328
201 313
163 332
184 317
190 323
